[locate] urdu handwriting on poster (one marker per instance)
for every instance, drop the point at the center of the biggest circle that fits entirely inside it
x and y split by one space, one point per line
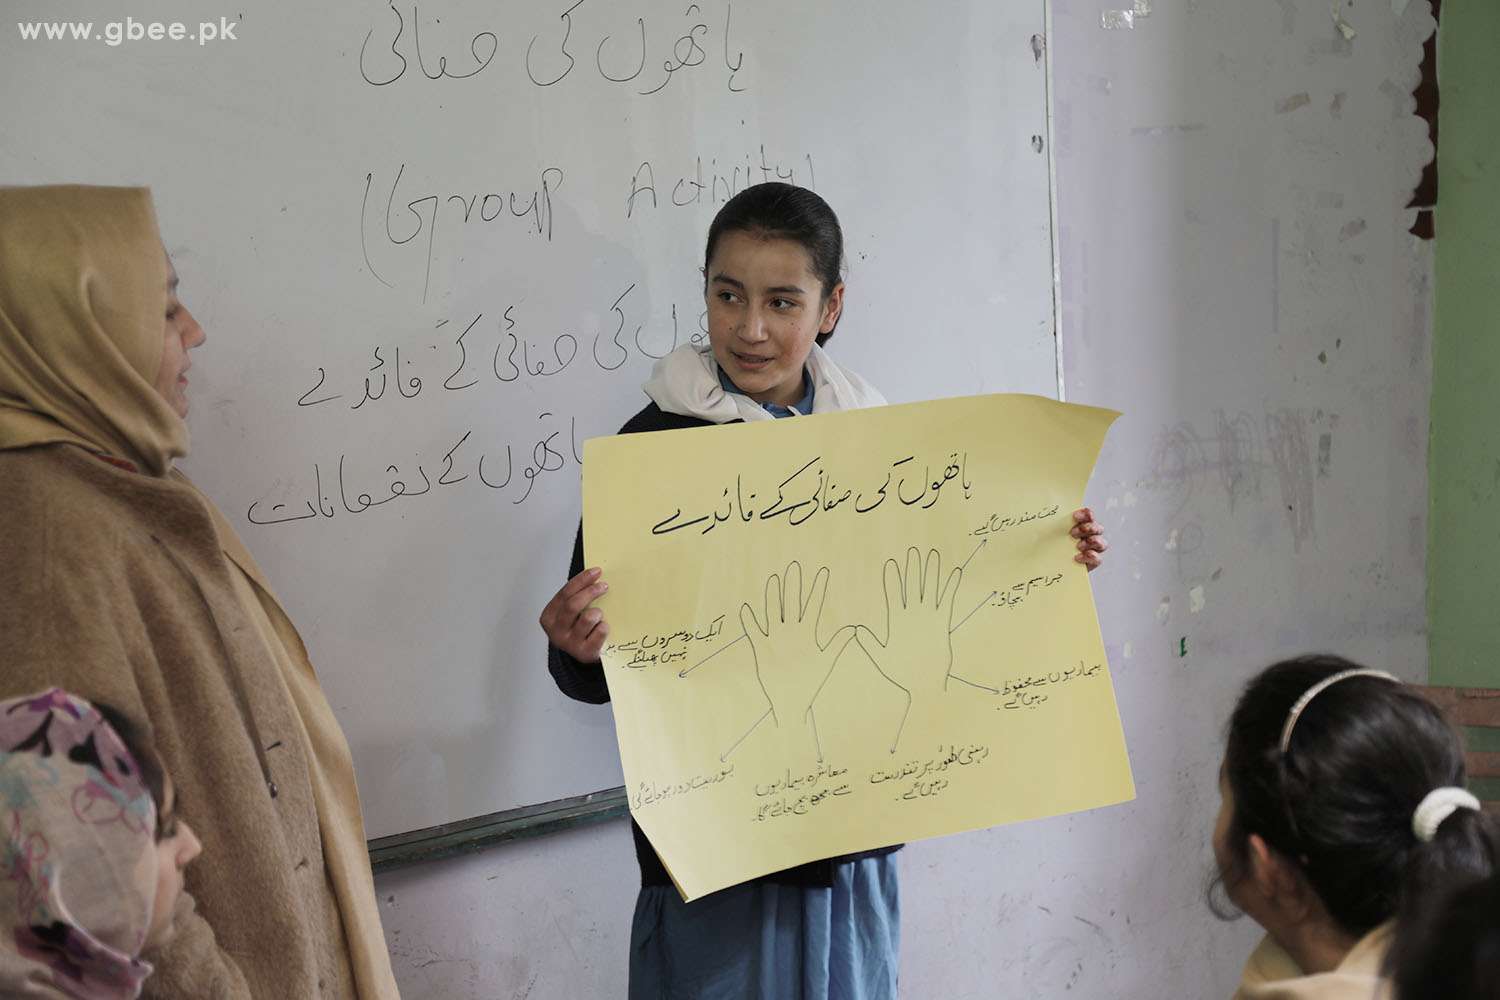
839 632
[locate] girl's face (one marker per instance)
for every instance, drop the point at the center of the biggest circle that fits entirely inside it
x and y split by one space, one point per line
765 311
1245 873
1223 856
176 847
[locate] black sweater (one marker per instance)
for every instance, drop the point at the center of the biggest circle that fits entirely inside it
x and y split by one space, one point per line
585 682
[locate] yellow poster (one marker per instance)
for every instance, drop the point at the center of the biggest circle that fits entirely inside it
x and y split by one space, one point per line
839 632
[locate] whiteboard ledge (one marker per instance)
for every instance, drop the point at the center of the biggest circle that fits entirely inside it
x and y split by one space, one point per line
469 835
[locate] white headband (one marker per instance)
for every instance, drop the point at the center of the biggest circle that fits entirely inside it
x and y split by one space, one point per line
1317 689
1439 804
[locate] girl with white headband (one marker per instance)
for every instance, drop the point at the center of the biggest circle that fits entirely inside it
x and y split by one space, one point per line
1342 809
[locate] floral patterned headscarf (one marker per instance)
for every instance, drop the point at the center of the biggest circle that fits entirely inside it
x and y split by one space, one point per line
77 853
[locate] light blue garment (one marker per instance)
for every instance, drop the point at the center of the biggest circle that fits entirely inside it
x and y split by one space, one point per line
763 941
802 407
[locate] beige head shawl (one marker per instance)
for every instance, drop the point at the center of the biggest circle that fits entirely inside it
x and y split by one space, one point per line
83 292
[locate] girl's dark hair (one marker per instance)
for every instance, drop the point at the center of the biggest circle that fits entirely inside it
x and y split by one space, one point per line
777 211
1449 949
153 776
1338 804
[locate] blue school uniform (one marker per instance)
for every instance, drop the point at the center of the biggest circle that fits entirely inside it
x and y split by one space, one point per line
767 941
828 930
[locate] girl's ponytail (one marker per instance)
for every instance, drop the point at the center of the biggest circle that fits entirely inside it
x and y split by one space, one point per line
1448 931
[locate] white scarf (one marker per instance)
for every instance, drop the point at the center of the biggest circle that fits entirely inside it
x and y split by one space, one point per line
686 382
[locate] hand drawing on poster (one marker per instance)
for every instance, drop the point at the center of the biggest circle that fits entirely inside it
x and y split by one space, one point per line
844 645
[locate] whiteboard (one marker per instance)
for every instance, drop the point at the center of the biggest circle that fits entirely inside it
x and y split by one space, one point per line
492 214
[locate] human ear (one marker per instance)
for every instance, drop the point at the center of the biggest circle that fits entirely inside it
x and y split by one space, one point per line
1277 880
832 307
1265 867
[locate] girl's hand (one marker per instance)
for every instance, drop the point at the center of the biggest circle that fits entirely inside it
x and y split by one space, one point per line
571 621
1090 535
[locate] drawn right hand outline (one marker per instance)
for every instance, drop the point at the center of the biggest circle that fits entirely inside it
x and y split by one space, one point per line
916 654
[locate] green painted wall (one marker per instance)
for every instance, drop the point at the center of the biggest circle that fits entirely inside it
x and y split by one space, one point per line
1463 556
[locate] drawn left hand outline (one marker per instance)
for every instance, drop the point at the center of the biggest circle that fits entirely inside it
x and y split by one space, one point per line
791 662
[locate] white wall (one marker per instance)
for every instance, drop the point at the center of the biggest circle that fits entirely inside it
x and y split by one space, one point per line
535 919
1237 277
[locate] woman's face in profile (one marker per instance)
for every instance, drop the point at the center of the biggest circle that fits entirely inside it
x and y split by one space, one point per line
180 334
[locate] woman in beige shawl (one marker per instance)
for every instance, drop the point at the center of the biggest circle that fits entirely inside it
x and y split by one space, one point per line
124 583
1342 811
